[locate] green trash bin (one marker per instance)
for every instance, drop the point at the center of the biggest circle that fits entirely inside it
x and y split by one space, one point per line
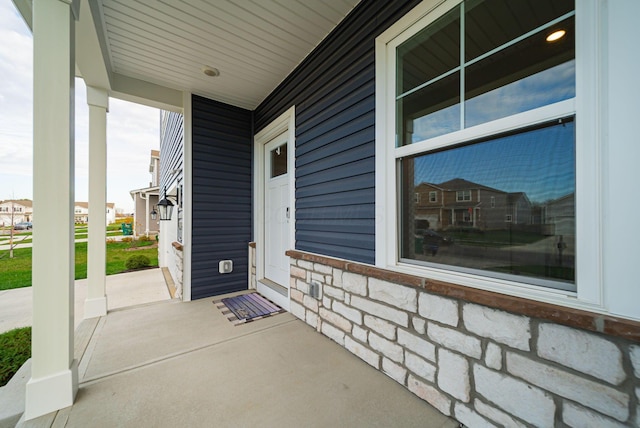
127 229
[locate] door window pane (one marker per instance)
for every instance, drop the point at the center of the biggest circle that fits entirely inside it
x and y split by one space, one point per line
279 161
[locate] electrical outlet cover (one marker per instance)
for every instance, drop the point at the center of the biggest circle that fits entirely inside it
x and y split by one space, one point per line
225 266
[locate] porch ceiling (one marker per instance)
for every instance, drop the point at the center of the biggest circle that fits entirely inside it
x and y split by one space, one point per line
254 44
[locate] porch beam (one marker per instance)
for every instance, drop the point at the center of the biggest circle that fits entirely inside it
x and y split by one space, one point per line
54 372
96 302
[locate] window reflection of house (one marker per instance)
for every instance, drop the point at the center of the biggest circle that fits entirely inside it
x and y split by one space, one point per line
462 203
559 216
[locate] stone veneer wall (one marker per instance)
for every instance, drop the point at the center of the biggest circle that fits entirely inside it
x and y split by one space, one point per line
480 365
178 268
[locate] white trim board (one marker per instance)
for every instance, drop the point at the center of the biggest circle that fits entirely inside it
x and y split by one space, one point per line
284 123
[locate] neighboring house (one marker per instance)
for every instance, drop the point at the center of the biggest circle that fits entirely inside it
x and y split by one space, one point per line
22 210
111 213
303 184
461 203
81 212
559 215
145 201
170 246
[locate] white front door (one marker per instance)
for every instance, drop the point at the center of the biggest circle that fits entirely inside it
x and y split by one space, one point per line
276 213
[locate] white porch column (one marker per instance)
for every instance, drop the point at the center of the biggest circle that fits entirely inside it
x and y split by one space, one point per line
54 372
96 303
146 215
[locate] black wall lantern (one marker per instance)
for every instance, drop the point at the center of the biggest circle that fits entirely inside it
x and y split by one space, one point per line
165 206
154 214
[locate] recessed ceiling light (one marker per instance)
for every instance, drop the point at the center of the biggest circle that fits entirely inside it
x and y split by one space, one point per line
210 71
556 35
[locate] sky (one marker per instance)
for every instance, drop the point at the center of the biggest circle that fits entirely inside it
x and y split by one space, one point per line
132 129
539 162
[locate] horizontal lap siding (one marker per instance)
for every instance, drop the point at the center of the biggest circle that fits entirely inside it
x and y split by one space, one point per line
221 196
171 147
334 93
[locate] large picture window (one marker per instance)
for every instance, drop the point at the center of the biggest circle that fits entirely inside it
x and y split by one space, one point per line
485 113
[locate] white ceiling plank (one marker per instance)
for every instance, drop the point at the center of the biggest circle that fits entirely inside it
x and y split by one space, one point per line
135 31
254 43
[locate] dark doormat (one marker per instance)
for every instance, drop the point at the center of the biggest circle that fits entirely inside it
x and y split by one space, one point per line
247 307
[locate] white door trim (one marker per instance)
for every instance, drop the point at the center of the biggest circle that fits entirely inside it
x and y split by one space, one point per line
284 123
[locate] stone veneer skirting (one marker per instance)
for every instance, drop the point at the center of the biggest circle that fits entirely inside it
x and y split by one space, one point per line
178 257
483 358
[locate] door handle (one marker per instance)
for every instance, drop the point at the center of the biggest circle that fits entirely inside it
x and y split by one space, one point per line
288 215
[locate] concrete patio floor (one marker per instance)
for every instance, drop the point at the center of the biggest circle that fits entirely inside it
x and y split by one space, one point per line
174 364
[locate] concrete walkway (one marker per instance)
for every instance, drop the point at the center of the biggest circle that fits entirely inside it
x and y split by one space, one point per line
125 289
174 364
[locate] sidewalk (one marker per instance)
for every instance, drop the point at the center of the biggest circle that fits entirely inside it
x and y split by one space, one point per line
125 289
4 244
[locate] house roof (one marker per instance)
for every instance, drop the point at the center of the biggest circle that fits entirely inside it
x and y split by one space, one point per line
462 184
151 52
153 190
24 202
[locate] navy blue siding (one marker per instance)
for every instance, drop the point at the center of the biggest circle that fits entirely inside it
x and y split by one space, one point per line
333 90
222 150
171 147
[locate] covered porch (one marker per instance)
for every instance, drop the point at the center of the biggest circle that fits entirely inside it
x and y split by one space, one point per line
154 365
161 56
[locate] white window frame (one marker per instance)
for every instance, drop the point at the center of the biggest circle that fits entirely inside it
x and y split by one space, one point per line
433 196
463 196
590 42
416 197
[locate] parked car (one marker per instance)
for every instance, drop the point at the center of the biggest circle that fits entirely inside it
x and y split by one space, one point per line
431 241
25 225
432 235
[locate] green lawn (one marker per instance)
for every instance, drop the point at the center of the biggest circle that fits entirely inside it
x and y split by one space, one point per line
15 349
16 272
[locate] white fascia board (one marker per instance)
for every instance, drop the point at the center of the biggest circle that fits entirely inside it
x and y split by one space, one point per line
145 93
91 63
25 7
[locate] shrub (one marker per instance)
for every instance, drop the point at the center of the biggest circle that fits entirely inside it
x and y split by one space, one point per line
15 349
137 261
127 239
144 238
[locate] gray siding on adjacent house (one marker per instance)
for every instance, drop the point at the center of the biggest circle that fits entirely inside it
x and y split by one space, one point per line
334 93
221 228
171 147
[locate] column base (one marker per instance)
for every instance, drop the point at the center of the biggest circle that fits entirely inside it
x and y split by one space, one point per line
51 393
95 307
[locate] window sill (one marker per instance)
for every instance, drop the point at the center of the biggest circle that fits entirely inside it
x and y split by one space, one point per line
600 323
